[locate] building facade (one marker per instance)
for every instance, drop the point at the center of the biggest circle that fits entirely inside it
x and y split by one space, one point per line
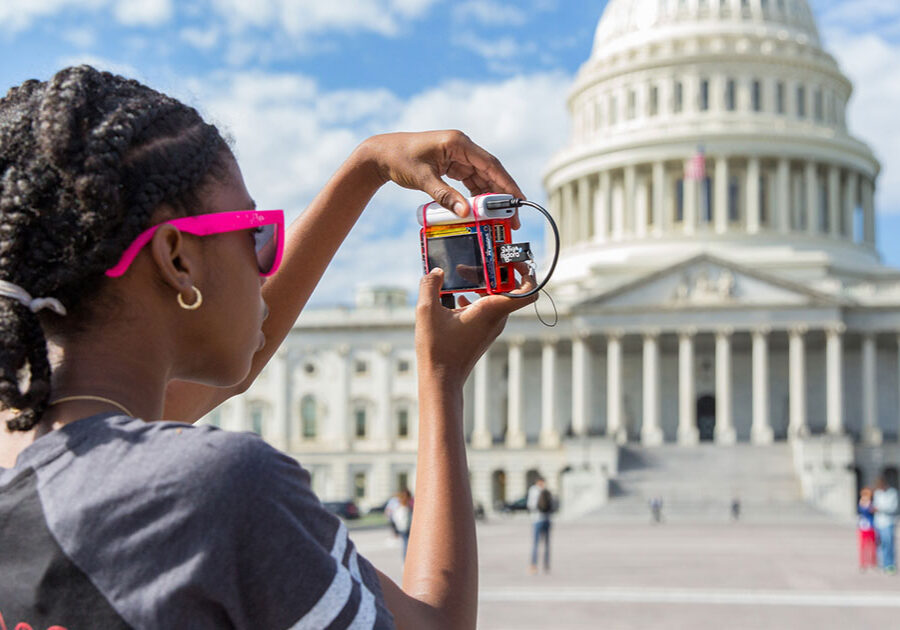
718 283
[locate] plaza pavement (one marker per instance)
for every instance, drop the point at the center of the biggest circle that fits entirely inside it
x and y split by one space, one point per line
703 575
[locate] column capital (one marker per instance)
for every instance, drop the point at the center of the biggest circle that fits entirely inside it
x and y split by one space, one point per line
724 331
384 348
516 341
343 349
654 333
761 331
798 330
838 328
686 333
581 334
550 340
614 334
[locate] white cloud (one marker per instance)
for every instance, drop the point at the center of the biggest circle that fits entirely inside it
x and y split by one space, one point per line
291 136
489 13
143 12
80 37
202 38
17 16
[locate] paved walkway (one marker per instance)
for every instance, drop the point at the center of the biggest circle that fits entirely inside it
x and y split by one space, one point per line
632 576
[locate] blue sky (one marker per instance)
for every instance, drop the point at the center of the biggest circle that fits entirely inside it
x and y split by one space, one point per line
298 83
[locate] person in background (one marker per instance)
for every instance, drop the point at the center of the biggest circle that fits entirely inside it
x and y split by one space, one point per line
866 530
735 509
401 517
540 505
885 500
656 505
389 508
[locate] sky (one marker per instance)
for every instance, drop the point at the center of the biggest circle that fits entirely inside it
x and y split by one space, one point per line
297 84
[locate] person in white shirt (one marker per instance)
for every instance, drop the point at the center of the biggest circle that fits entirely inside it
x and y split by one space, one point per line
885 501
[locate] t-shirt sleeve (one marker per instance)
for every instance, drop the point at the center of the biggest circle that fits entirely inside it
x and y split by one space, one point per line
295 564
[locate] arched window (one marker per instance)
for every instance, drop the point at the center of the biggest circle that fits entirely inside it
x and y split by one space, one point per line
308 417
256 411
360 420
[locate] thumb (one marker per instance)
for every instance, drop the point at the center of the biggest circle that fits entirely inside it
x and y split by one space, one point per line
430 288
446 195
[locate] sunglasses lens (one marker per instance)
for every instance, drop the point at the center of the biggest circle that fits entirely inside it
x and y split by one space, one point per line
266 237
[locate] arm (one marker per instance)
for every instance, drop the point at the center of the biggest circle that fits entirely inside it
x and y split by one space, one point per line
440 576
412 160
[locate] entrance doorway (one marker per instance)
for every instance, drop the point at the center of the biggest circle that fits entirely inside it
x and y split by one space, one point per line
706 418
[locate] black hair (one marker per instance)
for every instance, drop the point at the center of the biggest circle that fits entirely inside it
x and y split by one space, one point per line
86 158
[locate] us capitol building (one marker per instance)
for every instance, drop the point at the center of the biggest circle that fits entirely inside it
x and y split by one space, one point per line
727 329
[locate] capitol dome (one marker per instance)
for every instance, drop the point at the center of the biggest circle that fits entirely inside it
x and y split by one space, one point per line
781 184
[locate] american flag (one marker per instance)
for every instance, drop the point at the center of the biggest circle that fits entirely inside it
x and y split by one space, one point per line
696 167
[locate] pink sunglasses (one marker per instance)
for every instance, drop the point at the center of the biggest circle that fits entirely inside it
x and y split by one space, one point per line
267 226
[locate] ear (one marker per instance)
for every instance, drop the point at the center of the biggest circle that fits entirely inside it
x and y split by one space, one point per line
176 261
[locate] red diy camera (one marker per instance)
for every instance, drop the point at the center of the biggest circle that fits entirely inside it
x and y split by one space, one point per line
476 252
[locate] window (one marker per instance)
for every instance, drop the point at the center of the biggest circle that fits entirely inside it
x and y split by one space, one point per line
801 101
403 423
818 106
403 366
308 417
704 95
757 95
678 98
706 196
734 199
359 422
256 417
679 200
309 368
632 104
402 481
359 486
779 97
730 95
361 367
763 200
654 100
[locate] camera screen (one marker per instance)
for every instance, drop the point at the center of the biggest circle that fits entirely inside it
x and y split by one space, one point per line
460 258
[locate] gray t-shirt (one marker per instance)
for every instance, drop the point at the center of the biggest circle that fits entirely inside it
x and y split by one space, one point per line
113 522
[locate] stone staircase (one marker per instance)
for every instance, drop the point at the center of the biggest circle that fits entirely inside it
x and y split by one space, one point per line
699 482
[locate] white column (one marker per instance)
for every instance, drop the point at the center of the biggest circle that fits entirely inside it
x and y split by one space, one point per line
850 195
556 212
568 223
581 379
868 204
720 207
834 201
601 209
687 403
629 198
797 426
583 192
753 195
812 198
689 199
834 380
725 432
340 423
651 429
761 429
481 432
549 435
659 198
282 391
641 211
383 434
615 427
871 433
783 207
515 436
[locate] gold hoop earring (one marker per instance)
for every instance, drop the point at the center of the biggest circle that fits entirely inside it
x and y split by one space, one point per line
197 302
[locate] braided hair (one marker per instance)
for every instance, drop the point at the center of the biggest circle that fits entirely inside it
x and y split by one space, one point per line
85 160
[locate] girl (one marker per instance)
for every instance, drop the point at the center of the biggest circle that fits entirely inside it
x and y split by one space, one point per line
130 246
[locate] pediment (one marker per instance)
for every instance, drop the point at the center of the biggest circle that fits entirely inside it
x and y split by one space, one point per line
707 282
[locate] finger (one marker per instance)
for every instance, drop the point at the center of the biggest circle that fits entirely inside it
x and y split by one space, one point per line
460 171
488 166
430 289
462 302
445 195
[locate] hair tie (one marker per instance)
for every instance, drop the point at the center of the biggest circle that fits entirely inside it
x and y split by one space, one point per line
14 291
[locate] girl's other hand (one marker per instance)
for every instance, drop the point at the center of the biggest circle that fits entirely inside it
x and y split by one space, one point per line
450 341
419 161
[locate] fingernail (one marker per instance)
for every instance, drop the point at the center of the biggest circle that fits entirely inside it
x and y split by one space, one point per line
460 208
435 270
